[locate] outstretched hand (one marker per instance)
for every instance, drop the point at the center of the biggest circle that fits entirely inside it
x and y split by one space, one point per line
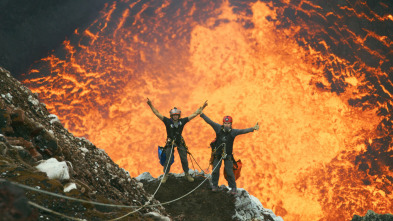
204 105
256 127
199 111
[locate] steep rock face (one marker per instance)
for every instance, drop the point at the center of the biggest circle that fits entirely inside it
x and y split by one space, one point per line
30 135
196 201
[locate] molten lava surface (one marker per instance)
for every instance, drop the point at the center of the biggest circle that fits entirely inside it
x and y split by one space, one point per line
315 75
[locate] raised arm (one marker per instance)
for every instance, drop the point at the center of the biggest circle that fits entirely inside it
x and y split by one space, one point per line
236 132
197 112
214 125
155 111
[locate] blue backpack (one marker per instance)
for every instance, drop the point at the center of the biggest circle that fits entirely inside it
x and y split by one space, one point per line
162 156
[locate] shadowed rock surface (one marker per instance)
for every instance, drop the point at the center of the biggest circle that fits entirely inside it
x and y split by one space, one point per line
30 135
200 205
196 201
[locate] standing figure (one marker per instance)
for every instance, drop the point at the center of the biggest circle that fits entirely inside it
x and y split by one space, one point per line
223 147
174 128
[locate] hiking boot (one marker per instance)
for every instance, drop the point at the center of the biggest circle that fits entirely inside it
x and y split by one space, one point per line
233 192
215 189
165 178
189 177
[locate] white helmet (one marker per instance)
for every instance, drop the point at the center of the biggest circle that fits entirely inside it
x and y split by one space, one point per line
175 111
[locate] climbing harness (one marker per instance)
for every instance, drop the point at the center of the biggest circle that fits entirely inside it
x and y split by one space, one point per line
213 156
237 165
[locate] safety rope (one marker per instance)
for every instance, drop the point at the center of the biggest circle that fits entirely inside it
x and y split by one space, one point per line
160 204
54 212
67 197
171 201
153 205
91 202
215 150
186 193
196 163
112 205
223 144
74 199
167 166
159 185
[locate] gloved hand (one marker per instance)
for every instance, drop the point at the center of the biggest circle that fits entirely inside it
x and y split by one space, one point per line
204 105
199 111
256 127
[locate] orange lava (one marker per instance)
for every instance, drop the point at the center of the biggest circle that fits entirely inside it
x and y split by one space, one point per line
300 164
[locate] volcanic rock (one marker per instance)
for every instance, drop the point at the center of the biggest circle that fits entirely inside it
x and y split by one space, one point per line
196 201
372 216
32 140
14 204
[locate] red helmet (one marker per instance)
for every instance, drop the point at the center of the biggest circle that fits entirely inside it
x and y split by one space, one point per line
175 111
227 119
